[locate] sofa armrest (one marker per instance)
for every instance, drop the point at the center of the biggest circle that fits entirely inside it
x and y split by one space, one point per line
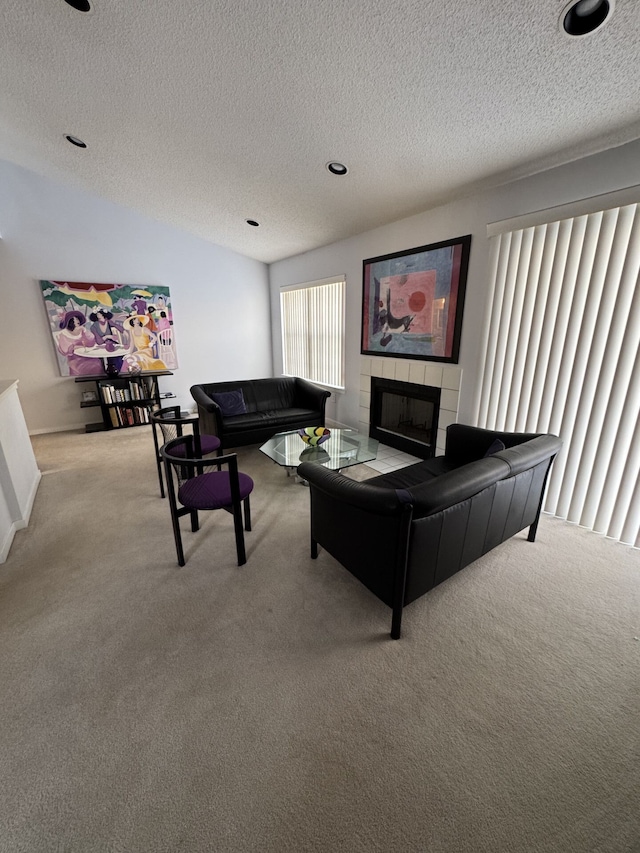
378 500
310 396
366 528
466 443
521 457
203 399
209 412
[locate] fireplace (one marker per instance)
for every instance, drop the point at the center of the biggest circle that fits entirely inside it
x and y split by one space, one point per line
405 415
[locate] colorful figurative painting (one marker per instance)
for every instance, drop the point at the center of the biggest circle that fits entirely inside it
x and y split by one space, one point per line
412 301
124 327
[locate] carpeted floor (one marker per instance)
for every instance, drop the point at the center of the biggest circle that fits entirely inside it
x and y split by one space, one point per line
264 708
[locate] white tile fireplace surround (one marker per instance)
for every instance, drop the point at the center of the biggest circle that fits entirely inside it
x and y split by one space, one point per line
447 377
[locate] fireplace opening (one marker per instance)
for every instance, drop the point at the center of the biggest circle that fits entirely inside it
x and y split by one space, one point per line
405 416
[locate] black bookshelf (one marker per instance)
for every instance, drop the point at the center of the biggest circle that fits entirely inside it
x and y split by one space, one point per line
125 400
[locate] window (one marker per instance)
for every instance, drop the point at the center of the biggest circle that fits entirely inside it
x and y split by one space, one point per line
561 356
312 317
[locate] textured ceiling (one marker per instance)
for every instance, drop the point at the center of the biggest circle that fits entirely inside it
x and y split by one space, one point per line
203 114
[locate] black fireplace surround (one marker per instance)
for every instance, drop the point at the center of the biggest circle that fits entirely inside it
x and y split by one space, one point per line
404 415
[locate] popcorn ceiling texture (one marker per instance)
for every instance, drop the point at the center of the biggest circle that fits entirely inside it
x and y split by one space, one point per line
205 114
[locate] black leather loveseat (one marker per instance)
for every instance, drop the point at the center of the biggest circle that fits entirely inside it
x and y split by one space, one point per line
248 411
404 532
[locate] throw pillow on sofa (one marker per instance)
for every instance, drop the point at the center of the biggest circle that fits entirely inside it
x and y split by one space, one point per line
230 402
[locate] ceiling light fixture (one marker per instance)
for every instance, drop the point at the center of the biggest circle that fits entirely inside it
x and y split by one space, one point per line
337 168
252 222
79 5
75 141
585 16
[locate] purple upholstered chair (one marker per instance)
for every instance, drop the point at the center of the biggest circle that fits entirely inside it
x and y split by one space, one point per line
194 483
171 422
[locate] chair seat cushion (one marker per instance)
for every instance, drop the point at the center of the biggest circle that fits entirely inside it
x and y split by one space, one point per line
212 490
208 444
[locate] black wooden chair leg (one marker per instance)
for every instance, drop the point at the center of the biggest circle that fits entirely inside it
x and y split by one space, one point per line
160 478
195 523
237 520
247 514
314 549
178 537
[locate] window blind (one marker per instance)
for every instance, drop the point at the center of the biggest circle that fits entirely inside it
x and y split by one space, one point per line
561 356
312 317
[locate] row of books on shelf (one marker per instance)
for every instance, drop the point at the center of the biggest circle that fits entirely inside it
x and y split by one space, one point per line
133 391
129 415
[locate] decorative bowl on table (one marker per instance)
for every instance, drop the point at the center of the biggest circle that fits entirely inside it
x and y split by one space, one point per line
313 436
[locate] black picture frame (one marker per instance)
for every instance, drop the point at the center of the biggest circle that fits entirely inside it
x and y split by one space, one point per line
413 301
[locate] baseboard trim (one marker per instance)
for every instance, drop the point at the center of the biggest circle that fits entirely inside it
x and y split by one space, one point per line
20 523
6 545
46 430
24 521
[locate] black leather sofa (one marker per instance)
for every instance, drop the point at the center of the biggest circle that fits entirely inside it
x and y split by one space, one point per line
404 532
270 405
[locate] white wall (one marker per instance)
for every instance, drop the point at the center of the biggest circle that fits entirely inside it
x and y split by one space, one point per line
19 474
611 170
220 298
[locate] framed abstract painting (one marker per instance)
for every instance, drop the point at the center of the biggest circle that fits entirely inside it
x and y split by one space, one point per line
95 325
413 301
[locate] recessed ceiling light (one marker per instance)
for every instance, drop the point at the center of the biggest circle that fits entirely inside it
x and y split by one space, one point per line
252 222
79 5
75 141
337 168
585 16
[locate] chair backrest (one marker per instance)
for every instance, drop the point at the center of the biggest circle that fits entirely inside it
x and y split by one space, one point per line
183 462
171 423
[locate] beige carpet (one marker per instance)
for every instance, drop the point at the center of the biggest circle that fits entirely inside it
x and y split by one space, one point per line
264 708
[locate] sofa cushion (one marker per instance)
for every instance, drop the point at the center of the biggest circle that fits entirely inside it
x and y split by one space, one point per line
276 393
412 475
277 418
230 402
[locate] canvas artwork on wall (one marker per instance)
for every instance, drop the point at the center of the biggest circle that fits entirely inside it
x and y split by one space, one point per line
125 327
412 301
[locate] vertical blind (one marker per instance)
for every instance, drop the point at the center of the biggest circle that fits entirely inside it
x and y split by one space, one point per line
561 356
313 331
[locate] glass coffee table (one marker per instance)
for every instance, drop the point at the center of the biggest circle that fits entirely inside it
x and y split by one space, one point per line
343 448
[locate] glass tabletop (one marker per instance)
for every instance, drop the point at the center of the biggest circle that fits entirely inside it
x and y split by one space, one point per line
343 448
